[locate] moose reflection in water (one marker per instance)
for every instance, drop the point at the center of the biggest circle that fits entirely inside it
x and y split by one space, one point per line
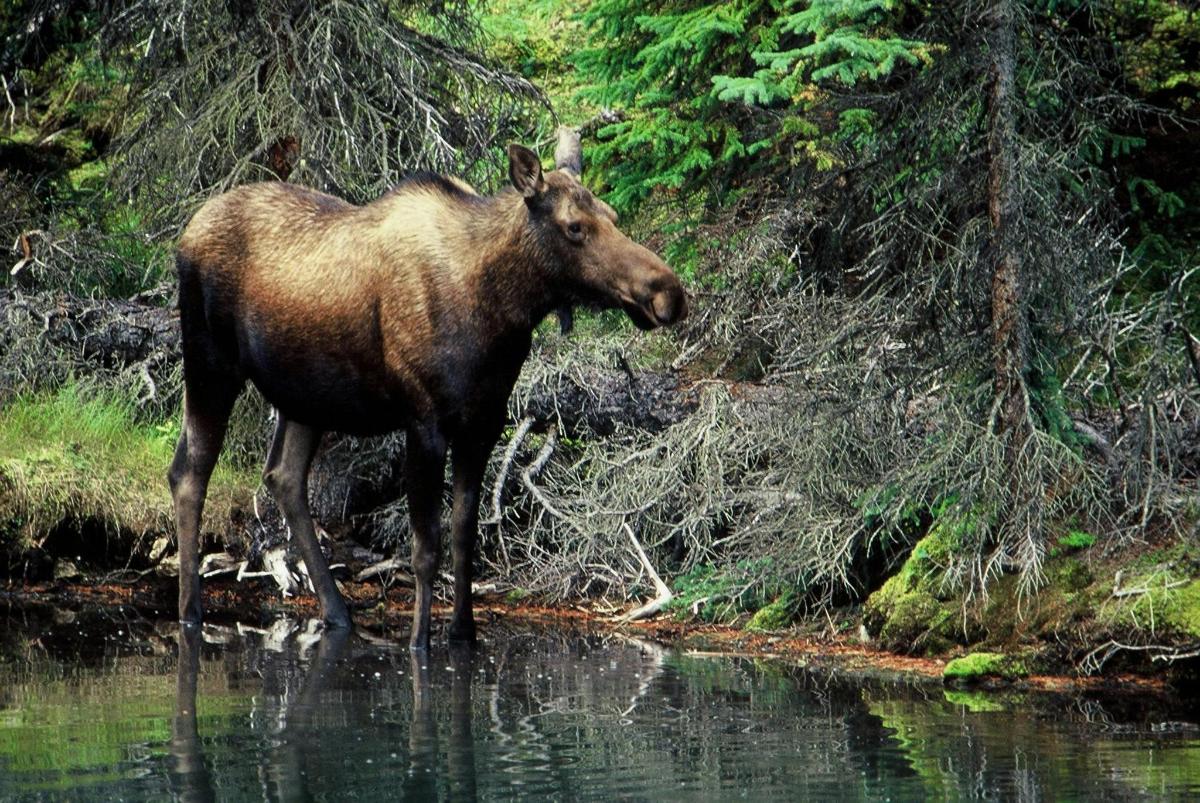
413 312
286 771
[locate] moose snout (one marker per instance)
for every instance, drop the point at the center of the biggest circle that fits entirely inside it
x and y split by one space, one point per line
669 304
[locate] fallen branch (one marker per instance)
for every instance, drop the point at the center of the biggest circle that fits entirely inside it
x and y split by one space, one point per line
1095 660
393 567
532 470
502 475
1193 352
1139 590
477 589
1096 440
664 593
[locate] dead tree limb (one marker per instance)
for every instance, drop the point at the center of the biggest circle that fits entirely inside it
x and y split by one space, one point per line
664 595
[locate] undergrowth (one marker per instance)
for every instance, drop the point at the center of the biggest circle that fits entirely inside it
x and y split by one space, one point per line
80 454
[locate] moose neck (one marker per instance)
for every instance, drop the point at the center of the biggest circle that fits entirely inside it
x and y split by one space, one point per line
516 281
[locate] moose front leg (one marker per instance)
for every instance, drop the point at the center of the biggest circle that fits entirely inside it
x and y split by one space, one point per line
423 474
470 460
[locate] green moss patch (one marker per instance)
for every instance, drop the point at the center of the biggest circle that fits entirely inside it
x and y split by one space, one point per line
982 665
912 612
1157 604
774 616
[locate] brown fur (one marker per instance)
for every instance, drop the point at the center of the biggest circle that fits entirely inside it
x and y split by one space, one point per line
413 311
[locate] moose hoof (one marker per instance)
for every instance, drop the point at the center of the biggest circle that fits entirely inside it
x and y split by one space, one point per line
462 632
337 620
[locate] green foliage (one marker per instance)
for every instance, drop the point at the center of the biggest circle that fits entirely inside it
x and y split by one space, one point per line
1073 541
718 93
847 42
718 593
538 39
1050 406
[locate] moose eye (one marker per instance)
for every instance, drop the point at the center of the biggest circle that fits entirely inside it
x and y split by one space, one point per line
575 230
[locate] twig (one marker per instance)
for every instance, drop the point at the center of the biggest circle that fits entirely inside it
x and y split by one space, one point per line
502 475
533 468
1091 663
1193 352
390 566
1139 590
664 593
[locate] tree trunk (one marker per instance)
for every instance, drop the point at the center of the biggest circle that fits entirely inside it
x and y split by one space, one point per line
1011 418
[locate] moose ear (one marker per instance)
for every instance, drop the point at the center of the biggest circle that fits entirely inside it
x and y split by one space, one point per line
525 170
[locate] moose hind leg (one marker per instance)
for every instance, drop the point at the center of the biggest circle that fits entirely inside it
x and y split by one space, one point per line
286 476
205 417
425 464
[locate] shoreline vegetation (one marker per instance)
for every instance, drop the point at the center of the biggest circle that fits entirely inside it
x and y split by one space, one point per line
939 390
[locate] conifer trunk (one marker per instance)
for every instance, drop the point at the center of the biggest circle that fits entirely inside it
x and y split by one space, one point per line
1011 418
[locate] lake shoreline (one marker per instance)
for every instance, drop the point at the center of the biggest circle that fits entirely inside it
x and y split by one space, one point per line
386 616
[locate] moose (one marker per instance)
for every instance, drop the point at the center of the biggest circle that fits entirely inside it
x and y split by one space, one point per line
414 311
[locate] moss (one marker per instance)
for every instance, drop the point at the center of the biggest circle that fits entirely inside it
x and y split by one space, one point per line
1181 609
1164 607
775 616
918 623
1158 600
516 595
1072 575
88 174
980 665
912 611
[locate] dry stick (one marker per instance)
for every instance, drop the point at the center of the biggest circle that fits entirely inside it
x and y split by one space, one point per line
1193 352
502 475
532 470
664 594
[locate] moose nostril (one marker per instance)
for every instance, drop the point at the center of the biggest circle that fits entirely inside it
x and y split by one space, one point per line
669 306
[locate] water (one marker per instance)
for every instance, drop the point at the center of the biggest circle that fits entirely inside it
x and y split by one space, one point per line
106 705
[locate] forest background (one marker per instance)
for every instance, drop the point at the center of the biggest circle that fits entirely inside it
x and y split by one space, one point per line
942 376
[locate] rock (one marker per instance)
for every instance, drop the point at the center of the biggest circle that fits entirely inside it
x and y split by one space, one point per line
979 666
66 570
160 549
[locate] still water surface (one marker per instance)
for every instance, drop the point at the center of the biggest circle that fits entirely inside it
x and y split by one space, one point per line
103 706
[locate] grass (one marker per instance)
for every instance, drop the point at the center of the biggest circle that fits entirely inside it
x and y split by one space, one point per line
79 456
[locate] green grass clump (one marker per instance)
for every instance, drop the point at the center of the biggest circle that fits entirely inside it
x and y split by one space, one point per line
74 456
1074 541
